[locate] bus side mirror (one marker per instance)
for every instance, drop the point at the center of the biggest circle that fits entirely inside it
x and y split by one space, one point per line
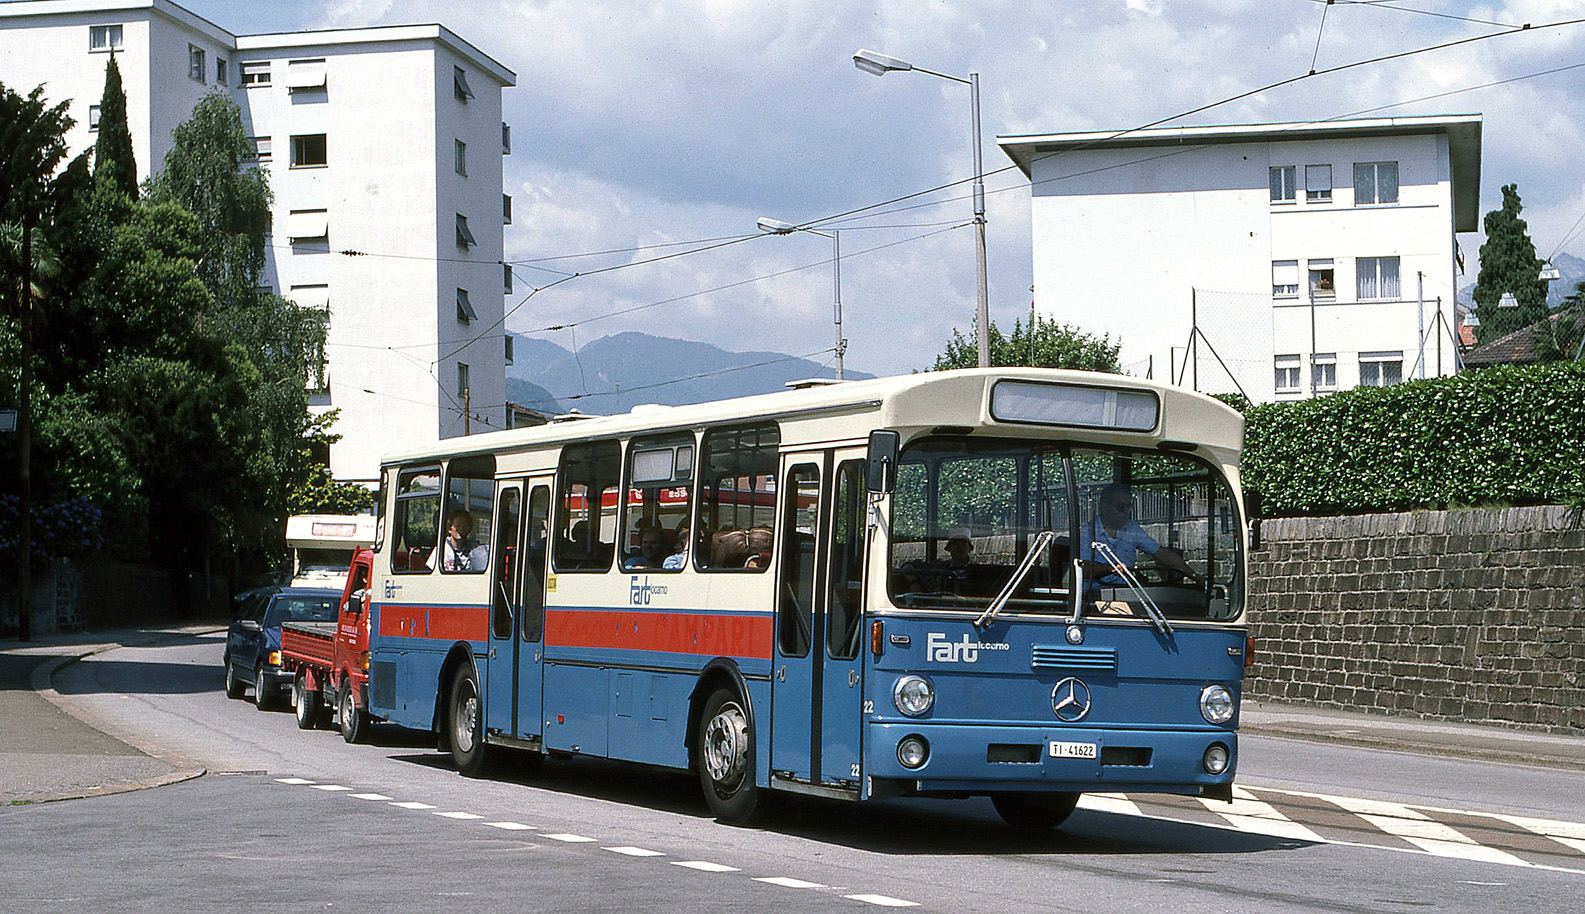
882 475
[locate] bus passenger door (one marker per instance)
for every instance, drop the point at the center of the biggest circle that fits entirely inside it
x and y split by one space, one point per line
841 688
531 627
796 660
500 670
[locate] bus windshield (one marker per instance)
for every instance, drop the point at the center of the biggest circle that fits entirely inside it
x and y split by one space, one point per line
1146 528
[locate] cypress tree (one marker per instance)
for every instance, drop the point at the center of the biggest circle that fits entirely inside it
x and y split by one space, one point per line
1508 264
114 163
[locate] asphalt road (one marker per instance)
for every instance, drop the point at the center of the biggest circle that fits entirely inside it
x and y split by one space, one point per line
291 820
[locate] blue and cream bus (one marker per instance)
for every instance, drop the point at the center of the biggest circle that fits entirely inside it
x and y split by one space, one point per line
896 587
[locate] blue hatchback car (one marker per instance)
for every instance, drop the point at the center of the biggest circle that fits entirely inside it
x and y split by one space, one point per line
253 643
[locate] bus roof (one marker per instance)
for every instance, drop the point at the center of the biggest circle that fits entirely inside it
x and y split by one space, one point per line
908 403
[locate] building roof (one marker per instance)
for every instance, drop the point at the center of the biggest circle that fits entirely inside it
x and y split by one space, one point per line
1519 347
1463 132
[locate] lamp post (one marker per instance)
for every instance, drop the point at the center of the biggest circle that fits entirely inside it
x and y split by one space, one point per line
778 227
880 65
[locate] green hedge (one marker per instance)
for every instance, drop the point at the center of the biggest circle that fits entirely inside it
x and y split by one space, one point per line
1509 435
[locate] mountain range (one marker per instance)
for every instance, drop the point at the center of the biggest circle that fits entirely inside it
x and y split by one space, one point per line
615 373
1572 268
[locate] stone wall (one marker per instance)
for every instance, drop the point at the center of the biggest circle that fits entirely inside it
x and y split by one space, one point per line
1474 615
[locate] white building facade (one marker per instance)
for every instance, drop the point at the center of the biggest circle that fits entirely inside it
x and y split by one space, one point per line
384 150
1281 261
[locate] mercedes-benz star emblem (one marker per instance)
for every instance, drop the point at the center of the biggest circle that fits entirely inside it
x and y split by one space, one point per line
1070 700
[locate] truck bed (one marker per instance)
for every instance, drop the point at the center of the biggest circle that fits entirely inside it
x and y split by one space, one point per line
313 643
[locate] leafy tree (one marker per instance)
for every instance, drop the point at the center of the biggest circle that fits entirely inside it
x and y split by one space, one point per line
1042 344
114 163
1508 264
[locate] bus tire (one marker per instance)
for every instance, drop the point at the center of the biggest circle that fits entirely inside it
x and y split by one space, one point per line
465 724
234 686
354 720
307 702
1034 811
726 760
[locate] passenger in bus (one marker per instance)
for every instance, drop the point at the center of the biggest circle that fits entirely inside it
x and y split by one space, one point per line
943 575
1114 526
679 558
457 551
653 549
760 541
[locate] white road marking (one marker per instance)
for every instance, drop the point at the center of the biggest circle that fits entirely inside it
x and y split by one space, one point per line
634 851
293 781
510 826
789 882
885 901
1110 802
331 787
705 866
1418 829
1248 814
368 796
570 839
458 815
1568 834
412 805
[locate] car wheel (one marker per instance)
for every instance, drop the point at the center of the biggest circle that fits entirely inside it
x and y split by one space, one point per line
262 699
1034 811
354 720
307 701
234 686
465 725
725 754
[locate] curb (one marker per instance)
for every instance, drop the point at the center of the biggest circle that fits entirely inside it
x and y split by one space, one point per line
42 681
1527 758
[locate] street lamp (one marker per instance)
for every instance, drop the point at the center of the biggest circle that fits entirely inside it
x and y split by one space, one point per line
880 65
778 227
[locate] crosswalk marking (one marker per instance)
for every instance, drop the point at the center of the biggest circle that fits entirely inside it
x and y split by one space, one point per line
1110 802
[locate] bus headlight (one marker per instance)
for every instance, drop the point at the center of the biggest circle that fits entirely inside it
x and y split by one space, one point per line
1216 759
912 751
1216 704
913 695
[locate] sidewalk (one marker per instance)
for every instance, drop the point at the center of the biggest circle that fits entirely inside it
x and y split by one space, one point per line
46 753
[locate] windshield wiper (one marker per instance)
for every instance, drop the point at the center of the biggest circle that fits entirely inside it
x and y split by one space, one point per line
1042 539
1157 617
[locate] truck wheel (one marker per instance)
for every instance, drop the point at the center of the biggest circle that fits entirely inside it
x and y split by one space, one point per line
1034 811
354 720
262 699
726 760
307 701
234 686
465 725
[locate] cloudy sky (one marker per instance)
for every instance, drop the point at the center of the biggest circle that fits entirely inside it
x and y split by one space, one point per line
642 129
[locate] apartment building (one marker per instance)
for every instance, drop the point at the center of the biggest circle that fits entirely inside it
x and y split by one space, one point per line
1282 261
384 149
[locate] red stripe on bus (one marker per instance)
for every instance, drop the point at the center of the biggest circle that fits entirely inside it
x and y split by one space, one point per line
672 633
452 623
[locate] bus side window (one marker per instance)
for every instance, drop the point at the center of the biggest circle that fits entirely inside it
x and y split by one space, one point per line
589 481
737 498
415 528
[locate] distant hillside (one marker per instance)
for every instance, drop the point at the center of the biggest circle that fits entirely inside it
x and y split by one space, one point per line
1572 268
615 373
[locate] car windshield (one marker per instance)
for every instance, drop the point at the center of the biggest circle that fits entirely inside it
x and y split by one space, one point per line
1146 526
302 609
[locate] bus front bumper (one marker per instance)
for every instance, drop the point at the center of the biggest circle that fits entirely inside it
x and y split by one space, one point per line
975 758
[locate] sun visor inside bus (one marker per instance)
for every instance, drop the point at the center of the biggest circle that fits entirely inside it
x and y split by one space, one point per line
1075 405
476 466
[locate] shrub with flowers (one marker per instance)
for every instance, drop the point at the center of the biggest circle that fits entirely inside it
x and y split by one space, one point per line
74 527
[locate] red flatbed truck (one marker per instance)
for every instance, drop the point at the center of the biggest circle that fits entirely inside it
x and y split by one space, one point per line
329 661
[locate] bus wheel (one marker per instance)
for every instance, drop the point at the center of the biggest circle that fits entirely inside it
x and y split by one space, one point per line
354 720
465 724
726 760
306 701
1034 811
